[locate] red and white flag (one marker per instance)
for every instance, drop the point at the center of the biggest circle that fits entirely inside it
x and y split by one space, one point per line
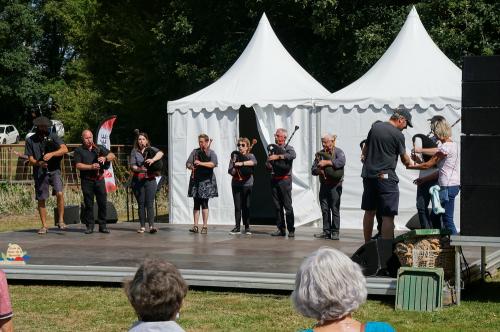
103 138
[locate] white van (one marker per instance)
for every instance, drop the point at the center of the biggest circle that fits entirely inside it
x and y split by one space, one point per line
56 127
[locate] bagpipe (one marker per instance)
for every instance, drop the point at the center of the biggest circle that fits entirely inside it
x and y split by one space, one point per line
280 167
427 143
329 172
100 153
201 173
243 172
155 167
48 145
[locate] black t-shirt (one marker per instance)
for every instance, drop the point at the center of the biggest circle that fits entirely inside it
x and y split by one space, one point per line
37 146
89 157
384 144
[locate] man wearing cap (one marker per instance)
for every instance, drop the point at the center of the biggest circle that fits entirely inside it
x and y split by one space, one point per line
45 151
384 144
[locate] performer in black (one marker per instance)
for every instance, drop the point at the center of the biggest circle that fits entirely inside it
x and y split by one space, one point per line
280 163
241 167
91 160
329 166
146 164
45 151
202 184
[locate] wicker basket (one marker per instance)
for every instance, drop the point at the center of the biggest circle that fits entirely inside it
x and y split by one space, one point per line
411 254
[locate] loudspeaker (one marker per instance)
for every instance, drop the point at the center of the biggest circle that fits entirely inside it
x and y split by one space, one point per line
478 210
481 120
481 94
71 215
377 258
111 213
481 68
479 161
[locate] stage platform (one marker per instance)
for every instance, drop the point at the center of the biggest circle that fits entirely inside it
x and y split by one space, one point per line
217 259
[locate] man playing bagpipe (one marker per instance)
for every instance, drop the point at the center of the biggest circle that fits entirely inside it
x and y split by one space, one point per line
329 166
45 151
280 163
91 160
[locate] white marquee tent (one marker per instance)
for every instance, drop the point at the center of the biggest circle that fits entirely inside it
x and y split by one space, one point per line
414 73
266 78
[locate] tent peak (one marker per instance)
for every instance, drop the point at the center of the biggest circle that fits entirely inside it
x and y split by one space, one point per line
413 12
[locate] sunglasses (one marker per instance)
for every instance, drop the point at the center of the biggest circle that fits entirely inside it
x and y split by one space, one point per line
241 145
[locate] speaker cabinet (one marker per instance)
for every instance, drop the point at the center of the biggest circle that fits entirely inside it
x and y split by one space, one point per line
71 215
481 120
480 160
479 210
111 213
481 94
377 258
481 68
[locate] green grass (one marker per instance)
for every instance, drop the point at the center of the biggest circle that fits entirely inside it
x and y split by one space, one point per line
85 308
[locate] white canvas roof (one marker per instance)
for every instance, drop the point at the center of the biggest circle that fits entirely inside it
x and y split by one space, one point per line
264 74
413 71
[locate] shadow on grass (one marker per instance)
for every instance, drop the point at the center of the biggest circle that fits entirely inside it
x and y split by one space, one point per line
483 291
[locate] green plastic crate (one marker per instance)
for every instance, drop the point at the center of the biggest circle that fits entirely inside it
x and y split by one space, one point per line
419 289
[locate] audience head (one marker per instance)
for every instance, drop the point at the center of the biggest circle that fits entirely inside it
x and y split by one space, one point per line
401 118
141 140
157 290
328 286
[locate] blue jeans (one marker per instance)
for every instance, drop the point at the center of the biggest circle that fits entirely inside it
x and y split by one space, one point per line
448 203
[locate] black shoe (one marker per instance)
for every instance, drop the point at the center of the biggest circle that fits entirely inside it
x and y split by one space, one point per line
278 233
322 235
291 234
376 236
335 236
89 231
235 230
104 230
247 231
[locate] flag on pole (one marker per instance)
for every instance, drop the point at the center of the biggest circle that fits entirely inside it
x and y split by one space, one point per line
103 138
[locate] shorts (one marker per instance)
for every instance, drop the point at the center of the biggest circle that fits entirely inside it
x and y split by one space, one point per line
381 195
42 182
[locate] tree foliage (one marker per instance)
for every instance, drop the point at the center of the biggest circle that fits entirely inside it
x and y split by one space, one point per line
94 58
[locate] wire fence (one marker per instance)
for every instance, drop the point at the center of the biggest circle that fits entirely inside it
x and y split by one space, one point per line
14 167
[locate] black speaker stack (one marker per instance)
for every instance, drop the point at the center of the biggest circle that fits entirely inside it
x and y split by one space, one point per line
480 147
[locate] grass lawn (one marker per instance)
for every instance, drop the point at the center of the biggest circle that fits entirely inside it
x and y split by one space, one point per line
96 308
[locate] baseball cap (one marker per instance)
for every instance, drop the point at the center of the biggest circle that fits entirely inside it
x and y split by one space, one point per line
436 118
405 114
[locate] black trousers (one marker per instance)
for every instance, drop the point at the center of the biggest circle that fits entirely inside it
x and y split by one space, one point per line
145 193
241 198
282 199
91 188
329 201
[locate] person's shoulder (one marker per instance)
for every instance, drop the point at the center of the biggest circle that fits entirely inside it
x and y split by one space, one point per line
378 327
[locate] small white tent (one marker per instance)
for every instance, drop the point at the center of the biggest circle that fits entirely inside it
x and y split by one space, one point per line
413 73
266 78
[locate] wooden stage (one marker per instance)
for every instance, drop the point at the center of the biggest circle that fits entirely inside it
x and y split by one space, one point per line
217 259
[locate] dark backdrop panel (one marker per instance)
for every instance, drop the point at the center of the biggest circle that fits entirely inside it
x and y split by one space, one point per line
262 209
481 120
480 160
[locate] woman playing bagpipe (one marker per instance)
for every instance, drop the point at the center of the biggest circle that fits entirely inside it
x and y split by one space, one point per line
329 166
202 184
241 167
146 164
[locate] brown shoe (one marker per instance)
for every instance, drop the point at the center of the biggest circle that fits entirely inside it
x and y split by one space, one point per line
62 225
204 230
43 231
194 229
